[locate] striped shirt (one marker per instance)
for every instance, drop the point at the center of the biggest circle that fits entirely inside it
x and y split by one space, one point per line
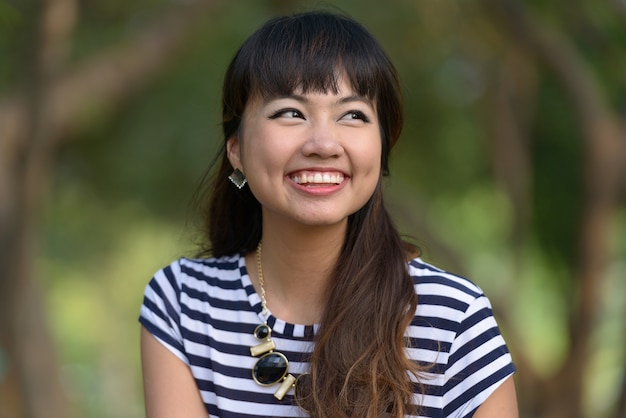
205 312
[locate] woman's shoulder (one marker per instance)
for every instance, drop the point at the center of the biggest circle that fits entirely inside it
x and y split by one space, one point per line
450 304
430 279
212 270
224 263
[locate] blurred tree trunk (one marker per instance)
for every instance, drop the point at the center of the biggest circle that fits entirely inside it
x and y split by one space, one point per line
32 386
32 124
561 395
510 116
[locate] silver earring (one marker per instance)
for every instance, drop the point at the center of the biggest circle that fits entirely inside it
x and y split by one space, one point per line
238 178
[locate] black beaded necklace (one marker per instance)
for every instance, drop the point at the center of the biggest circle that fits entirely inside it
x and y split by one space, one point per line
272 367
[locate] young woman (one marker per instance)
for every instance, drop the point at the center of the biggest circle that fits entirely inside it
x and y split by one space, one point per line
306 302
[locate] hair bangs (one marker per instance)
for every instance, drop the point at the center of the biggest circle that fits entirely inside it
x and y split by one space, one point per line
311 54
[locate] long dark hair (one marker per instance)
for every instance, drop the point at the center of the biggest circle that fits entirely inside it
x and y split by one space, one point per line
359 366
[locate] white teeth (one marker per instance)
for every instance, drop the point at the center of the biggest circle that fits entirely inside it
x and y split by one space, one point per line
318 178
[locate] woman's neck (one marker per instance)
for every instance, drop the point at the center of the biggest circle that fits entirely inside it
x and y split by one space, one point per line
297 264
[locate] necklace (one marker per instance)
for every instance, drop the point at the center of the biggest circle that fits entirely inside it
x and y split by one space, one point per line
272 367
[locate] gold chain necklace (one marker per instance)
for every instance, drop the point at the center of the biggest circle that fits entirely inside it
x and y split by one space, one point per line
259 271
272 367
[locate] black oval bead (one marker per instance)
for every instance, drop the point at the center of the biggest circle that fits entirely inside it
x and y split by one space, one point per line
270 369
262 332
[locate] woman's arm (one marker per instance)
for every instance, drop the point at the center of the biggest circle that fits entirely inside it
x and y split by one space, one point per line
502 403
170 390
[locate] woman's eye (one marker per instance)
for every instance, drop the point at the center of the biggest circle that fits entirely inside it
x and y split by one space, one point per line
356 115
287 113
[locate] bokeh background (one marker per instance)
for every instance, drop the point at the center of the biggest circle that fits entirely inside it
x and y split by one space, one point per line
511 170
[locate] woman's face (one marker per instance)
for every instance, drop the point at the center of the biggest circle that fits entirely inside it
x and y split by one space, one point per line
311 158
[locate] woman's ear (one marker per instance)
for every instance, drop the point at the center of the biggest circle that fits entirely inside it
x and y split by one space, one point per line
233 152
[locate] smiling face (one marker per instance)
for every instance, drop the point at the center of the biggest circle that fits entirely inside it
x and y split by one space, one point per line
310 158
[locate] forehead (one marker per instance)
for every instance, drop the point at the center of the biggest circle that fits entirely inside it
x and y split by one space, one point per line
302 81
342 92
341 87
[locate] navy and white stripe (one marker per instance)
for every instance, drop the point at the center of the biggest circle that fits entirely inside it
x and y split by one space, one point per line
205 311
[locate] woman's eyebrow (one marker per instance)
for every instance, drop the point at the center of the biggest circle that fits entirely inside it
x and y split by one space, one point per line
355 98
305 100
296 97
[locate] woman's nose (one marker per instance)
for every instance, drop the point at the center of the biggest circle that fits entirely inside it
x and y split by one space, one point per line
322 142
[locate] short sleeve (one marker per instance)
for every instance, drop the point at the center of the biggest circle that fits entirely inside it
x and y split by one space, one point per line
160 311
478 363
